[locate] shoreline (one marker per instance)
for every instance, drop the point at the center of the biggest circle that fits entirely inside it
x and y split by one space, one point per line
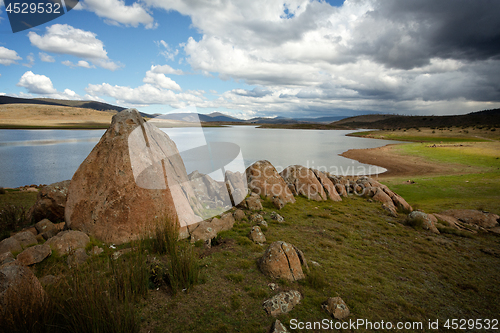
396 164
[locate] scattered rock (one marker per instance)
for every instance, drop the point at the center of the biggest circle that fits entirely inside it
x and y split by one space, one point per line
50 202
278 327
263 223
66 241
77 258
336 307
253 203
96 250
278 202
34 254
272 286
132 177
239 215
277 217
207 230
315 264
256 235
281 260
46 228
10 245
6 257
256 218
263 179
417 217
25 238
304 181
282 302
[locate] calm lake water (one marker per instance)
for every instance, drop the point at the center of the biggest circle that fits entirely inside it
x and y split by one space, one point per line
48 156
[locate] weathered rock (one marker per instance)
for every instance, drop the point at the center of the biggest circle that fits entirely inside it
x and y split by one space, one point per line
277 217
256 235
417 217
281 261
336 307
386 200
66 241
327 185
277 327
278 202
263 223
256 218
253 203
46 228
209 192
77 258
25 238
34 254
282 303
339 183
204 231
50 202
304 181
263 179
10 245
17 285
132 177
225 222
6 257
239 215
236 184
32 230
470 216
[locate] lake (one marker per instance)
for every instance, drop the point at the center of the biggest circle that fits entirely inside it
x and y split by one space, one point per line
48 156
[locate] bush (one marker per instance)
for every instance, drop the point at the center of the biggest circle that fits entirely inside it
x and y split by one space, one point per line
2 190
12 218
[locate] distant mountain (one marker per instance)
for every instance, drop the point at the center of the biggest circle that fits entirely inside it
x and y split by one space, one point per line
99 106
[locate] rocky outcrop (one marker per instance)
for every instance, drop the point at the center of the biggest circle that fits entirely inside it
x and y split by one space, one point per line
237 187
50 203
327 185
67 241
304 182
132 177
263 179
282 303
340 184
281 261
474 217
34 254
256 235
336 307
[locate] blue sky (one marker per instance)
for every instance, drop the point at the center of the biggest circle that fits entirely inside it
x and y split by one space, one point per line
296 58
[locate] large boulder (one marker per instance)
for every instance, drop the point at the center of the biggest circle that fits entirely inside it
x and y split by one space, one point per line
281 260
474 217
10 245
68 241
263 179
132 177
236 185
50 203
304 181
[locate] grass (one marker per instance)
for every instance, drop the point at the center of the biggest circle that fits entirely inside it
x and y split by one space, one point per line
12 218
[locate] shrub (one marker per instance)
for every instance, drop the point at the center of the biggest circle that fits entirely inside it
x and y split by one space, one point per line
2 190
12 218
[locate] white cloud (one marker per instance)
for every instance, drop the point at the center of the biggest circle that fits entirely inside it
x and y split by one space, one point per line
166 69
42 86
115 12
80 63
8 57
64 39
161 81
166 50
36 84
31 60
45 57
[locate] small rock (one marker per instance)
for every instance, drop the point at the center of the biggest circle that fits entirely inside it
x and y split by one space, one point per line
96 250
256 235
282 302
278 202
315 264
263 223
278 327
34 254
25 238
256 218
273 286
239 215
253 203
77 258
336 307
121 252
277 217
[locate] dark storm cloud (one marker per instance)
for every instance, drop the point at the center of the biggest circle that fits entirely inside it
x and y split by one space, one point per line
408 33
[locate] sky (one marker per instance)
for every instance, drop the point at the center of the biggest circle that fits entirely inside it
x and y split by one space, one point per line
293 58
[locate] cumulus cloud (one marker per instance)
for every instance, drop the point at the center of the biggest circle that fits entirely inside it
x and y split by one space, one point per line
160 80
81 63
166 69
64 39
45 57
42 85
31 60
116 12
8 57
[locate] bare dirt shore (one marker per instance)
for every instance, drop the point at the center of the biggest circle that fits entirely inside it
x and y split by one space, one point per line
397 165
